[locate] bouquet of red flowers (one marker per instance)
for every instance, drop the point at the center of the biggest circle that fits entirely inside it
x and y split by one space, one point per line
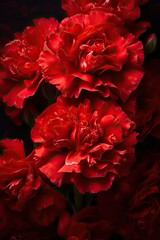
81 98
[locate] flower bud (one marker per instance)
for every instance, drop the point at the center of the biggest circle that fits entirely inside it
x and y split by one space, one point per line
150 44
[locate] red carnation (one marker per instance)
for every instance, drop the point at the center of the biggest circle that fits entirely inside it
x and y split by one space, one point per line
46 206
87 144
128 10
22 74
144 212
18 179
93 52
86 224
23 188
147 115
132 205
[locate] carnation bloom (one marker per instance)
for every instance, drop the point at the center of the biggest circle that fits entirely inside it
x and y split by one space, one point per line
87 144
46 206
147 115
86 224
144 211
21 72
128 10
22 187
132 205
17 175
143 104
93 52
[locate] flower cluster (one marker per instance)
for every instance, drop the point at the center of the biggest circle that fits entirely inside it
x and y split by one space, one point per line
84 93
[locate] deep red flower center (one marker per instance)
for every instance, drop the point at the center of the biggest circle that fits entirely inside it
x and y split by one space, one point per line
73 129
90 56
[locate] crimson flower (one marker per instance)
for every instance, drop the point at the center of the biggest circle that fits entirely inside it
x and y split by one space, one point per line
144 211
46 206
127 10
147 115
86 224
21 72
87 144
93 52
22 187
132 205
17 175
